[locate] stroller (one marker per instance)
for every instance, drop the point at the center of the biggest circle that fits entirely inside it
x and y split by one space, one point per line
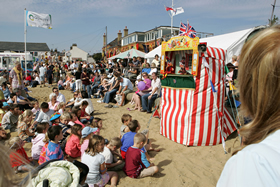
58 173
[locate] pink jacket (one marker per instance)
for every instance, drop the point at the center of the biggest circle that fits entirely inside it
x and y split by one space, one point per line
37 145
73 146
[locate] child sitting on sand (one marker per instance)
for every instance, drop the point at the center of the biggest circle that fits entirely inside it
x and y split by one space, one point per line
85 117
73 146
10 119
20 160
54 150
111 161
42 157
66 129
97 123
134 166
3 134
61 107
55 119
87 132
2 112
25 133
37 141
35 108
126 118
98 175
75 115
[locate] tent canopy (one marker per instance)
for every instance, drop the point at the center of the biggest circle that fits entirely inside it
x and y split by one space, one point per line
129 54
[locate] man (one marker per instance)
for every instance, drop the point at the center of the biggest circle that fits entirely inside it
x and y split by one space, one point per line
16 78
42 73
132 72
151 97
156 60
135 62
125 88
95 83
59 96
44 115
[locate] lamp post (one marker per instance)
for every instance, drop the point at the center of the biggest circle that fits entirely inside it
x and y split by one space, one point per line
128 55
155 36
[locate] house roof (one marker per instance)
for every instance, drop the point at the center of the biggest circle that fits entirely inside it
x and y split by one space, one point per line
114 43
19 46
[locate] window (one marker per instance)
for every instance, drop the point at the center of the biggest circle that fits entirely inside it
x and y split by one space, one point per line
141 38
152 36
148 37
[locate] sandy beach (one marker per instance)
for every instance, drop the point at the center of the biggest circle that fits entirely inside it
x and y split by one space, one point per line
179 165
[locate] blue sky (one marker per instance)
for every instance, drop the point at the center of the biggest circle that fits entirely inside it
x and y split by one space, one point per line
83 21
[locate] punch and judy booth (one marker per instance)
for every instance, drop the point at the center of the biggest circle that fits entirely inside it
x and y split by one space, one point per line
193 90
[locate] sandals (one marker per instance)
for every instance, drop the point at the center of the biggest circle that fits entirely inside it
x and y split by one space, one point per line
108 106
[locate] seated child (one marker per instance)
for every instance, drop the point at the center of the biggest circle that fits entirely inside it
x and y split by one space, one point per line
97 123
54 150
136 165
87 132
126 118
36 107
42 157
111 161
3 134
61 107
85 117
10 119
98 175
73 146
66 129
25 133
75 114
2 112
18 159
37 141
55 119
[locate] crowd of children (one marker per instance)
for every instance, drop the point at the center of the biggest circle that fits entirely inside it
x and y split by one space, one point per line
75 135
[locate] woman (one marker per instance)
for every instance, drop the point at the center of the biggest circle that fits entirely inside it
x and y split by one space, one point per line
85 81
53 102
71 102
153 69
78 79
257 162
144 65
83 96
136 96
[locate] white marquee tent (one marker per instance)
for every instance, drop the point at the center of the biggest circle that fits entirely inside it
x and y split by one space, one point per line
151 55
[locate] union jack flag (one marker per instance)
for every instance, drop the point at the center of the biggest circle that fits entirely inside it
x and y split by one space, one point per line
187 30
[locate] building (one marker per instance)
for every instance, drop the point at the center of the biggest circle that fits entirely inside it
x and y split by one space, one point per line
36 49
75 53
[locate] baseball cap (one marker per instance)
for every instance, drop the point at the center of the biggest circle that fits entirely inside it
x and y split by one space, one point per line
88 130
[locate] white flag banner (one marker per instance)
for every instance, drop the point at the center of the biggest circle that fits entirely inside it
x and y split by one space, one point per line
177 11
34 19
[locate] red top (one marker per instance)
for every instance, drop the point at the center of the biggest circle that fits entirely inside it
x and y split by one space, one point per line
92 79
28 78
66 66
83 111
86 81
19 158
73 146
133 164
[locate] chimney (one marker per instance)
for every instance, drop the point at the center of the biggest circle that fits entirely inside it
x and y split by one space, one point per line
119 35
125 31
104 40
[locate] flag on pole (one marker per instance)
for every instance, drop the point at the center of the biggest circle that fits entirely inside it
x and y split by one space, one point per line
175 11
34 19
187 30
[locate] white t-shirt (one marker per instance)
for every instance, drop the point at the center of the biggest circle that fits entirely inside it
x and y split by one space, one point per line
93 163
42 71
157 84
109 158
89 109
256 165
156 62
60 98
126 82
38 79
45 117
153 70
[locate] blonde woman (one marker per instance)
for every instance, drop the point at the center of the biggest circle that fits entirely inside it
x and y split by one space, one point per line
25 133
257 162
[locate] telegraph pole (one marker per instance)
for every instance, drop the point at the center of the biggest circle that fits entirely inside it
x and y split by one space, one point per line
273 7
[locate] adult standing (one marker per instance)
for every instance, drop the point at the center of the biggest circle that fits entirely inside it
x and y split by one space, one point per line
59 96
42 73
257 162
16 78
78 79
49 75
85 81
148 99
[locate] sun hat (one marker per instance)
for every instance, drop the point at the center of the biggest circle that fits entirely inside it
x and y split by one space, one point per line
5 104
55 116
88 130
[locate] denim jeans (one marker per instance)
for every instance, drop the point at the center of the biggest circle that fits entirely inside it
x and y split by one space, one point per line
74 87
87 88
109 95
147 104
85 120
93 89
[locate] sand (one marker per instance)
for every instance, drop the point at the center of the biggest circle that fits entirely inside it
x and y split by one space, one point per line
179 165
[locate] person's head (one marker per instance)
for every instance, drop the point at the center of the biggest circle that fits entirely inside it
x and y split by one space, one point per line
55 133
14 108
95 145
76 129
17 65
15 143
56 91
76 94
134 58
134 126
259 79
97 122
153 65
42 127
4 85
61 105
77 111
120 79
234 58
145 75
65 118
156 56
139 140
97 73
87 132
12 96
55 118
85 71
73 116
35 104
17 91
114 144
84 94
45 107
26 116
154 75
84 104
53 97
126 118
145 60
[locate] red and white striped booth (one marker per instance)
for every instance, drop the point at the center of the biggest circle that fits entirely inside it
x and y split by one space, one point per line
189 116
